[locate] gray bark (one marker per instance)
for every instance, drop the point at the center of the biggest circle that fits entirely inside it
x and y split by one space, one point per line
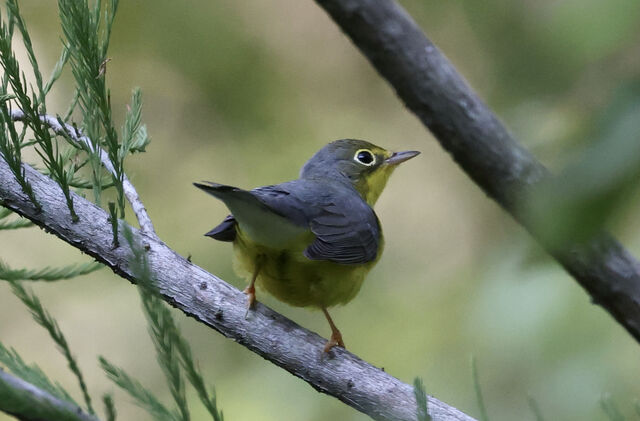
219 305
438 95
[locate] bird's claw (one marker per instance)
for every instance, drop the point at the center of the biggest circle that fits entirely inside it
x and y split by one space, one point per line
251 298
335 340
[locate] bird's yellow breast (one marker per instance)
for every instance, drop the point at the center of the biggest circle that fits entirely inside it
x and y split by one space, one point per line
290 276
371 186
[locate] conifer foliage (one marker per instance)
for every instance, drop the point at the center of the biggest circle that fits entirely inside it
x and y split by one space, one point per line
83 151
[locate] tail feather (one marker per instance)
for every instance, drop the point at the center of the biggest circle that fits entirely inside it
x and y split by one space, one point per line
251 216
232 196
225 231
215 189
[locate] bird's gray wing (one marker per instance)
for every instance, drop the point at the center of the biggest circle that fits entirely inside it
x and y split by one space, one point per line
286 200
346 232
346 229
264 217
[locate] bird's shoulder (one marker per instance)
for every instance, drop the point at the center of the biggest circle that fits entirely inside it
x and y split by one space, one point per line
312 199
347 229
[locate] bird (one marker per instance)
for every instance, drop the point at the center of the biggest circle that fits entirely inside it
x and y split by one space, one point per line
310 242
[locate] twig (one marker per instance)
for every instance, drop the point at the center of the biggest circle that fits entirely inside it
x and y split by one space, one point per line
478 390
222 307
29 403
44 319
440 97
74 134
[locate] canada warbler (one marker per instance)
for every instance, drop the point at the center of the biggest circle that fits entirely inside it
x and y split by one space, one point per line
311 241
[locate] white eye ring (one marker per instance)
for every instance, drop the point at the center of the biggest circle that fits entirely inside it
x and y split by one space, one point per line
365 157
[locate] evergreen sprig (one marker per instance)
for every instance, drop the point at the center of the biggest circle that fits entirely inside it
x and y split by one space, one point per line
4 212
113 219
162 328
86 32
14 16
87 46
31 373
172 349
109 407
48 273
10 141
12 224
44 319
15 224
142 397
74 101
422 400
478 390
197 381
163 333
32 106
57 69
134 134
79 181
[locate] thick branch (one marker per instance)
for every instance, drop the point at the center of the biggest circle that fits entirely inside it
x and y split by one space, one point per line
29 403
432 88
222 307
74 134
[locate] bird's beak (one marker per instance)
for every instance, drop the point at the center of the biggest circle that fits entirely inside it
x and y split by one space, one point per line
399 157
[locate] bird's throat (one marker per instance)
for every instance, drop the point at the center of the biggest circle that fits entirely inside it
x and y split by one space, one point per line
371 186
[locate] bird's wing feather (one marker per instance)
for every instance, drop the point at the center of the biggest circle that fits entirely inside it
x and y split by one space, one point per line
346 228
264 224
346 232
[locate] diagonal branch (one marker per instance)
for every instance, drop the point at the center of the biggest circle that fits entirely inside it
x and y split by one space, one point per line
222 307
433 90
29 403
75 135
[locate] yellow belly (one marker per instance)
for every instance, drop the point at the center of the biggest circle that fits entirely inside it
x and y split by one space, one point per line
293 278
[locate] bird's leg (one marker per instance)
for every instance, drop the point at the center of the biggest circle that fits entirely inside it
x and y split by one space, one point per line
251 289
336 336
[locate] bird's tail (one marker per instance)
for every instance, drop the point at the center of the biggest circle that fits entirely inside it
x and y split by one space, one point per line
255 219
235 198
216 190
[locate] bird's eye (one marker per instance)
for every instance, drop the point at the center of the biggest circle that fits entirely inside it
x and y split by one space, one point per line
365 157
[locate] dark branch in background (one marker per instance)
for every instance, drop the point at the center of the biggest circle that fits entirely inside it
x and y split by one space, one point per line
221 306
432 89
30 403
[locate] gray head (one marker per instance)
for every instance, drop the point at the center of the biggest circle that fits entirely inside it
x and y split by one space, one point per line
359 163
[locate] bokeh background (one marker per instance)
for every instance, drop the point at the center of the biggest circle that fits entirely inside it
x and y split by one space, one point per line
244 92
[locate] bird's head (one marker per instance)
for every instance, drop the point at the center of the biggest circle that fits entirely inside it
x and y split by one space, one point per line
362 164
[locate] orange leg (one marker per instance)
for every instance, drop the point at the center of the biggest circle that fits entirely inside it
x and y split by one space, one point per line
336 336
251 289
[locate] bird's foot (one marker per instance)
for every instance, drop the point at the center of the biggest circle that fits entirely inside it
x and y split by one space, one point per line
251 298
335 340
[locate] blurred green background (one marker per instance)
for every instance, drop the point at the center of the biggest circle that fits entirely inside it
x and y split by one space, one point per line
244 92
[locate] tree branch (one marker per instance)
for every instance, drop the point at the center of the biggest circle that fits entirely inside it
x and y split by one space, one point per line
433 90
71 132
222 307
29 403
